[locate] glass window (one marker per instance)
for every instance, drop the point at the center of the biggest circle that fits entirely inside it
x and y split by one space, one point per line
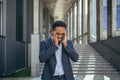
118 18
1 27
93 33
19 20
105 19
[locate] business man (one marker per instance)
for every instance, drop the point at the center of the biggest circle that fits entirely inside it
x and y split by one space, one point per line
56 53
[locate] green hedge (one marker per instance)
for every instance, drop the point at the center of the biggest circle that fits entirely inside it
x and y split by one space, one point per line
23 73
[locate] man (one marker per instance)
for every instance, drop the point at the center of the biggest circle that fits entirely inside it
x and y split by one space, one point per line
55 52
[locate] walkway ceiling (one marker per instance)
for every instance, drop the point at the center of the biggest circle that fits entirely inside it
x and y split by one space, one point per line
58 8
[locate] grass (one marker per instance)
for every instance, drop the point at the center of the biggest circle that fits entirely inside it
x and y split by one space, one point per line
23 73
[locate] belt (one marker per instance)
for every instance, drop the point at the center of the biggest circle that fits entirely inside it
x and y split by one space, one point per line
63 75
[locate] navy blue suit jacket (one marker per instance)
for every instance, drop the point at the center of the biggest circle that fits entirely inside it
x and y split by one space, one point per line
47 56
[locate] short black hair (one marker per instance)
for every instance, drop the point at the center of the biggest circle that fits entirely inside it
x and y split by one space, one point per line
58 24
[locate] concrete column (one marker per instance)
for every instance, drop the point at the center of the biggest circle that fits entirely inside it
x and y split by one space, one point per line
41 20
47 23
49 26
89 20
111 16
66 21
34 55
70 25
35 41
67 29
73 22
36 17
80 24
78 21
114 20
84 22
99 16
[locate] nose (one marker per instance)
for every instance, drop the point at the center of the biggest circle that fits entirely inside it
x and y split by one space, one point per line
60 36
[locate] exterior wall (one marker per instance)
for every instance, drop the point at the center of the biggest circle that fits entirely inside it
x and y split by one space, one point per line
29 30
2 55
29 20
10 57
13 53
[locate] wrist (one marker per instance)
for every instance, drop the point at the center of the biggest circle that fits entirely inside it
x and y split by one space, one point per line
56 44
65 44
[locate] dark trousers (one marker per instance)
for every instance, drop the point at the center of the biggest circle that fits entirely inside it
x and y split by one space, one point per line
58 78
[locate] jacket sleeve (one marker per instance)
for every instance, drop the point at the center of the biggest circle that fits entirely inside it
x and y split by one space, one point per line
71 51
45 53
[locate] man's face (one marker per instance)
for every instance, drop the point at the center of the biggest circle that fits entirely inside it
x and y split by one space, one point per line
60 32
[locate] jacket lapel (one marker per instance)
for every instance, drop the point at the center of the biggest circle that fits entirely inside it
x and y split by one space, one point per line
50 42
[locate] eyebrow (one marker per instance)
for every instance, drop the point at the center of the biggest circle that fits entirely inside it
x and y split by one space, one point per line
59 33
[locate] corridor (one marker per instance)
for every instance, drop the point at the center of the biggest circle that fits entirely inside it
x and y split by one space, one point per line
92 25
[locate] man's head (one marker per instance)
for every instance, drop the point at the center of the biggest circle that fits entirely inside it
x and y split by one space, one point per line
59 27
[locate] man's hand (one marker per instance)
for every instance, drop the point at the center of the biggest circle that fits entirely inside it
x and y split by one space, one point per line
55 40
65 40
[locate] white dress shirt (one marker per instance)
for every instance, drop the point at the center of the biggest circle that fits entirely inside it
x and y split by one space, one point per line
59 66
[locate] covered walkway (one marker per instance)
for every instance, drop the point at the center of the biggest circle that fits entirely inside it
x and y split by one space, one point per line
92 25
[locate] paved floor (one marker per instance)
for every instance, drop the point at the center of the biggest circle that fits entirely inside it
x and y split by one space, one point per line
103 72
78 77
